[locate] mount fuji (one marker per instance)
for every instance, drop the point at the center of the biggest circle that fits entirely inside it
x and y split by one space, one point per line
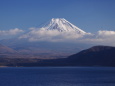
57 29
62 25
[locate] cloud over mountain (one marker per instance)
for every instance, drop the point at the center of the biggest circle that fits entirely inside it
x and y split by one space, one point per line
102 37
106 36
43 35
10 32
59 29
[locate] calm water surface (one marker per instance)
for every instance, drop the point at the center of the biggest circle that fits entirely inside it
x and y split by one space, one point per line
57 76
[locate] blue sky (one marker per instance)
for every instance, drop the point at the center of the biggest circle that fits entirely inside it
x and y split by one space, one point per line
89 15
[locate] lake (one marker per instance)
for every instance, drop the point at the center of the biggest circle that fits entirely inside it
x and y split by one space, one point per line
57 76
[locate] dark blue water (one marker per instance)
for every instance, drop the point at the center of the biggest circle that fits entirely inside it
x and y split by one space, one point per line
57 76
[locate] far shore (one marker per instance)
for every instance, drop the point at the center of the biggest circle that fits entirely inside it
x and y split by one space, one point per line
3 66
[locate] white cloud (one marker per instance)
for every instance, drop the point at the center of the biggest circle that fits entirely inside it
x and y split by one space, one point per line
106 33
10 32
107 37
4 34
102 37
47 35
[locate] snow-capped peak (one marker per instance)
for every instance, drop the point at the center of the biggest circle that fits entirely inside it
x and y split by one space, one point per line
62 25
57 29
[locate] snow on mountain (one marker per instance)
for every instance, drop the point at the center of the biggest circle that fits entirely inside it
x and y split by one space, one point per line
58 29
62 25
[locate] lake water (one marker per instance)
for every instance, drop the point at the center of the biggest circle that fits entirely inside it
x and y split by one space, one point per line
57 76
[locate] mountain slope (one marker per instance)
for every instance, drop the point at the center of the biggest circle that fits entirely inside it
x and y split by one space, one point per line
95 56
44 49
62 25
58 29
6 50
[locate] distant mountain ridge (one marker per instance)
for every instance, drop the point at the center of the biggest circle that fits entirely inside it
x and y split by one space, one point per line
94 56
6 50
97 56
